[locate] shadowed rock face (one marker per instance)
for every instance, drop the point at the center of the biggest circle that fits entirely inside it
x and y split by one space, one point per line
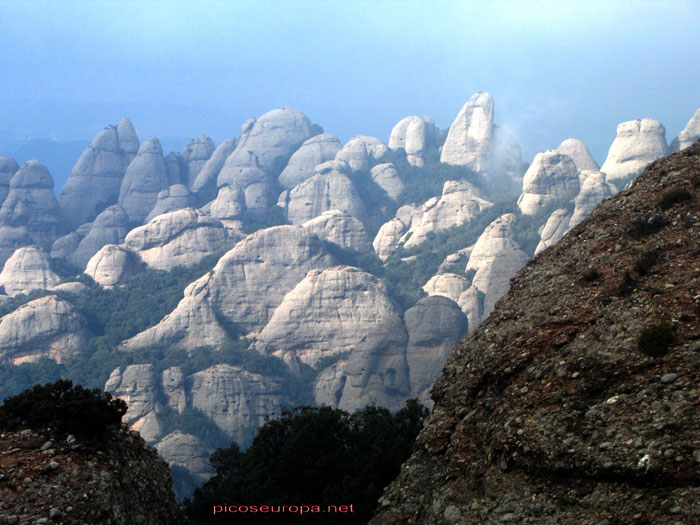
144 179
638 143
194 156
96 178
415 135
8 167
388 179
109 227
549 412
205 183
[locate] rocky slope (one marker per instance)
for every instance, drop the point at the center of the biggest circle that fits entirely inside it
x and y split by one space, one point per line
562 407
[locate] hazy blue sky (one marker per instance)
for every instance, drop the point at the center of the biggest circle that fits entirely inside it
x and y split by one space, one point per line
185 68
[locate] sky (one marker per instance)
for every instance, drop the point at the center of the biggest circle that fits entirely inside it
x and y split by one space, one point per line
180 69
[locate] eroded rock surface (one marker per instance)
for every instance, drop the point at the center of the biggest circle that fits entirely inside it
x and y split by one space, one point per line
8 167
109 227
360 151
341 228
638 143
579 153
114 265
388 179
170 199
689 134
194 156
552 176
314 151
27 269
416 135
144 179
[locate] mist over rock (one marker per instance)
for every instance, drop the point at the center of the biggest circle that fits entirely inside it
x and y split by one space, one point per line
332 312
194 156
114 265
29 214
469 138
205 182
45 327
638 143
266 144
496 258
579 153
172 198
314 151
236 400
434 325
360 151
388 179
26 270
328 189
689 134
179 238
137 385
144 179
109 227
415 135
8 167
550 177
459 203
341 228
96 178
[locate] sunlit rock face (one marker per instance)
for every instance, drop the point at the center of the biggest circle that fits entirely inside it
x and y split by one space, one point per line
388 179
144 179
314 151
554 229
341 228
688 135
171 199
448 285
637 144
96 178
26 270
109 227
415 135
551 176
114 265
45 327
359 152
204 184
194 156
579 153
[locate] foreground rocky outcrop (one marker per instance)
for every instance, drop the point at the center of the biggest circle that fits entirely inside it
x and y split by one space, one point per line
115 479
550 412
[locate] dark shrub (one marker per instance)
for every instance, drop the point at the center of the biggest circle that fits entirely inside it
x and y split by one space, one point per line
646 262
643 225
64 407
672 197
591 275
655 339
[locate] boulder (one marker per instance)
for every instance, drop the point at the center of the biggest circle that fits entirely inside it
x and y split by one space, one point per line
388 179
359 152
554 229
205 182
8 167
236 400
314 151
341 228
194 156
496 258
638 143
552 176
415 135
579 153
328 189
27 269
179 238
170 199
690 133
95 179
144 179
45 327
114 265
460 202
434 325
109 227
332 312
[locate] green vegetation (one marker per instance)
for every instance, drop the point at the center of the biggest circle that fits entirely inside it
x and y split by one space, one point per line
673 197
655 339
311 456
64 407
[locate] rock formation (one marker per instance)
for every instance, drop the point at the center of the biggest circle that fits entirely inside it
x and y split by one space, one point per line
109 227
205 182
45 327
8 167
552 176
179 238
314 151
188 452
29 214
690 133
194 156
328 189
391 233
434 326
332 312
171 199
95 179
173 168
638 142
26 270
228 206
359 152
460 202
114 265
388 179
447 285
341 228
579 153
554 229
556 410
144 179
415 135
594 190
